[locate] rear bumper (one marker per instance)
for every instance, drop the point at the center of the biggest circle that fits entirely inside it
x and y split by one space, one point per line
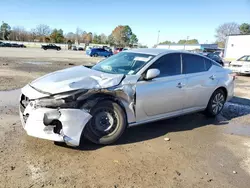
230 90
240 70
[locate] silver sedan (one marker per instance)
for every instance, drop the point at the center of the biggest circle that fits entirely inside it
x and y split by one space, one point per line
131 88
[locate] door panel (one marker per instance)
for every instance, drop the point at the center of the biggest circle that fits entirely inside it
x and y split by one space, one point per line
201 81
199 89
159 96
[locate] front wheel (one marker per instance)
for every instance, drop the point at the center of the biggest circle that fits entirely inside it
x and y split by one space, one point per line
107 124
216 103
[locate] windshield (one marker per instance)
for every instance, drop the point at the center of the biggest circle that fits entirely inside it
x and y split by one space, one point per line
244 58
123 63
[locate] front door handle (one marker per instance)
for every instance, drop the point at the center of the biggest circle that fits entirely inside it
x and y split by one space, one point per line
180 85
212 77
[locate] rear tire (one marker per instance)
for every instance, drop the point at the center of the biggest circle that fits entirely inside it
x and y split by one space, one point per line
216 103
107 124
95 55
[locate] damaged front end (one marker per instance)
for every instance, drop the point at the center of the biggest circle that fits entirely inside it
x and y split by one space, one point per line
62 114
53 118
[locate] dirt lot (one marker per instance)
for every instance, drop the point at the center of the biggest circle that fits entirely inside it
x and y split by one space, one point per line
201 152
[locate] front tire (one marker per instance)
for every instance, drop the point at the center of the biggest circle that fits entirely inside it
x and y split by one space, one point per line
216 103
107 124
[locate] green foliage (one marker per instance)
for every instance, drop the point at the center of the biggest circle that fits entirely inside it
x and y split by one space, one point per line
167 42
192 41
245 28
57 36
111 40
5 30
96 39
133 39
123 36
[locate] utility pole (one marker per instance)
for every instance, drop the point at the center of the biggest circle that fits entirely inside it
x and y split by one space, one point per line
158 37
3 32
186 43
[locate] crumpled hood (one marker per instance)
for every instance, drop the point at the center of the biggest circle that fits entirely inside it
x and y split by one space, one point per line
74 78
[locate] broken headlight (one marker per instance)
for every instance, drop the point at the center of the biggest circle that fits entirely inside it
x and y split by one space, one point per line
64 100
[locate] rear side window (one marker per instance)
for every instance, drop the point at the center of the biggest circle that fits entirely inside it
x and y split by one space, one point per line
208 64
169 65
193 64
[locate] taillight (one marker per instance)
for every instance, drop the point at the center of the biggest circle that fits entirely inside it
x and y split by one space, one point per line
233 75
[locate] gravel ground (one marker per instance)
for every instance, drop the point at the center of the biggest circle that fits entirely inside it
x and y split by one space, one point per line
188 151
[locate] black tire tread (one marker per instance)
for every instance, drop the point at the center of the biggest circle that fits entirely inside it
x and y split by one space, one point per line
88 134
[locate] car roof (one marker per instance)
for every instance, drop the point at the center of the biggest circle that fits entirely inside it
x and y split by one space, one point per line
156 51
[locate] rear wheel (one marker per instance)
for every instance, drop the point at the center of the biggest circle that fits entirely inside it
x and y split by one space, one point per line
95 55
216 103
107 124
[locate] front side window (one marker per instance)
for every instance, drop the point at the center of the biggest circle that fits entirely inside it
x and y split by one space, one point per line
193 64
169 65
128 63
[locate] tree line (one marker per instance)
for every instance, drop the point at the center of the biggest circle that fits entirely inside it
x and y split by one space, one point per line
183 41
121 36
222 32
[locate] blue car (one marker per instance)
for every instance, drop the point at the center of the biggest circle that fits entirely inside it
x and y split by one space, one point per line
95 52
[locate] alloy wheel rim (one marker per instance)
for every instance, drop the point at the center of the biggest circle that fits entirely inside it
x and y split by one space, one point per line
218 103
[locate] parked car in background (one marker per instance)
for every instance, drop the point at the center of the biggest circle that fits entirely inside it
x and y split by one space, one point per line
3 44
241 65
51 47
95 52
131 88
117 50
214 56
219 53
14 45
74 48
22 46
80 49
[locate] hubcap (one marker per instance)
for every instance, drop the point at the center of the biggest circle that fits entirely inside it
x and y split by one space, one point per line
217 103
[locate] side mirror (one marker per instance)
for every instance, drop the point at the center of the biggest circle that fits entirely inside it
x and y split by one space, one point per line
152 73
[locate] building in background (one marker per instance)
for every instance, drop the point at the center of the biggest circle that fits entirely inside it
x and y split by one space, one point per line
189 47
237 46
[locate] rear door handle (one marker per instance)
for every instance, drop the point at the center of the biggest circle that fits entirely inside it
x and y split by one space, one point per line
212 77
180 85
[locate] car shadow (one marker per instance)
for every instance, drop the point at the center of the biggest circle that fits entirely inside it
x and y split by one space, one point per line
235 108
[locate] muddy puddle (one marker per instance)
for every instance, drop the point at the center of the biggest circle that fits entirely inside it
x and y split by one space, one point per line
38 63
9 98
233 110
